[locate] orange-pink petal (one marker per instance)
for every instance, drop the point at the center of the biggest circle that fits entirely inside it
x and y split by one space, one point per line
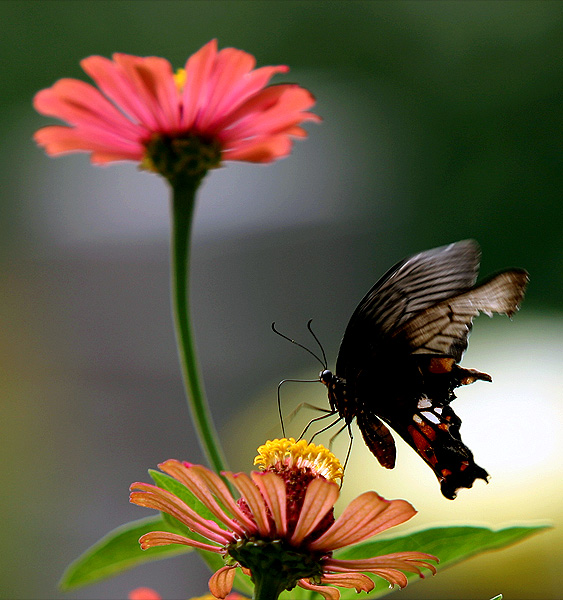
153 82
272 488
359 581
164 538
198 71
152 496
327 592
203 484
407 561
363 518
258 150
221 582
320 497
229 67
253 499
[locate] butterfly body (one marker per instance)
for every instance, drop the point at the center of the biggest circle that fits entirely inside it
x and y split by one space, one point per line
398 360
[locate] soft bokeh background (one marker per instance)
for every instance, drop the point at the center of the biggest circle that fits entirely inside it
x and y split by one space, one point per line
442 121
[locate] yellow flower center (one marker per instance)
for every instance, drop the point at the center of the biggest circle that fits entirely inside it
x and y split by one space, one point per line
300 455
180 79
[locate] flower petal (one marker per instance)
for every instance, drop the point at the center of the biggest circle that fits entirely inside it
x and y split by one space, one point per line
363 518
164 538
273 491
319 499
229 67
251 494
359 581
198 70
152 496
57 139
79 103
203 484
154 85
221 582
328 593
407 561
258 150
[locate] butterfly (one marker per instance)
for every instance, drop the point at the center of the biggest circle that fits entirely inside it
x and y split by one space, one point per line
398 361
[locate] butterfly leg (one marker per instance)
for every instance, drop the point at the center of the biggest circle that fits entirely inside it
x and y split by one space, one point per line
329 414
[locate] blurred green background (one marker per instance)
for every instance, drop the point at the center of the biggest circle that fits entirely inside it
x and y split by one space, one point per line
442 121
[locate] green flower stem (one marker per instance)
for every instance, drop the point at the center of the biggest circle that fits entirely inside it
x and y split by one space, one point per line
183 205
268 585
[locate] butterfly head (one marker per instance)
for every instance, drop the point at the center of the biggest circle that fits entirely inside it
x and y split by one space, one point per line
327 377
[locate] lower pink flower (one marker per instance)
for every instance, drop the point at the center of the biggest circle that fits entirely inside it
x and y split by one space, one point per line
284 516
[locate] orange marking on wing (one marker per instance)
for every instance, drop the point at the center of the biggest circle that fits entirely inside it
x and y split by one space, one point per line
422 445
441 365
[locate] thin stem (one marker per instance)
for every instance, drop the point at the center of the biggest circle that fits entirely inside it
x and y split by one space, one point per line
183 205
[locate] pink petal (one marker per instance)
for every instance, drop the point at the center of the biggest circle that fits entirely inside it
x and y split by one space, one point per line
328 593
221 582
230 65
144 593
247 86
359 581
202 483
152 496
154 85
258 150
407 561
57 139
163 538
253 498
273 491
198 69
79 103
363 518
286 112
319 499
117 85
271 110
218 487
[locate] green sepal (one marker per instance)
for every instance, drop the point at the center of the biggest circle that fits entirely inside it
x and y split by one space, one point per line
450 544
118 551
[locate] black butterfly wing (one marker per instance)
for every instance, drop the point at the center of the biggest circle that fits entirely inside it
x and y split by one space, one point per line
400 349
409 287
444 327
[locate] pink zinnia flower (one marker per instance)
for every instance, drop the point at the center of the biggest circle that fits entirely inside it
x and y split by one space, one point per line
217 108
284 516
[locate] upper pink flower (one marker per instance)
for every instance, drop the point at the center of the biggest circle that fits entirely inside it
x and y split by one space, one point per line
219 98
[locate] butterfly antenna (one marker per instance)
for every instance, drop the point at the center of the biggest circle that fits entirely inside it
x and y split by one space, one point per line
300 345
325 363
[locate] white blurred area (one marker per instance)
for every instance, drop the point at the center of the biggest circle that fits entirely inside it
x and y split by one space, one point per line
512 426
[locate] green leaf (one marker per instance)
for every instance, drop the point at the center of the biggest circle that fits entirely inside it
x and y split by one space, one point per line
450 544
118 551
